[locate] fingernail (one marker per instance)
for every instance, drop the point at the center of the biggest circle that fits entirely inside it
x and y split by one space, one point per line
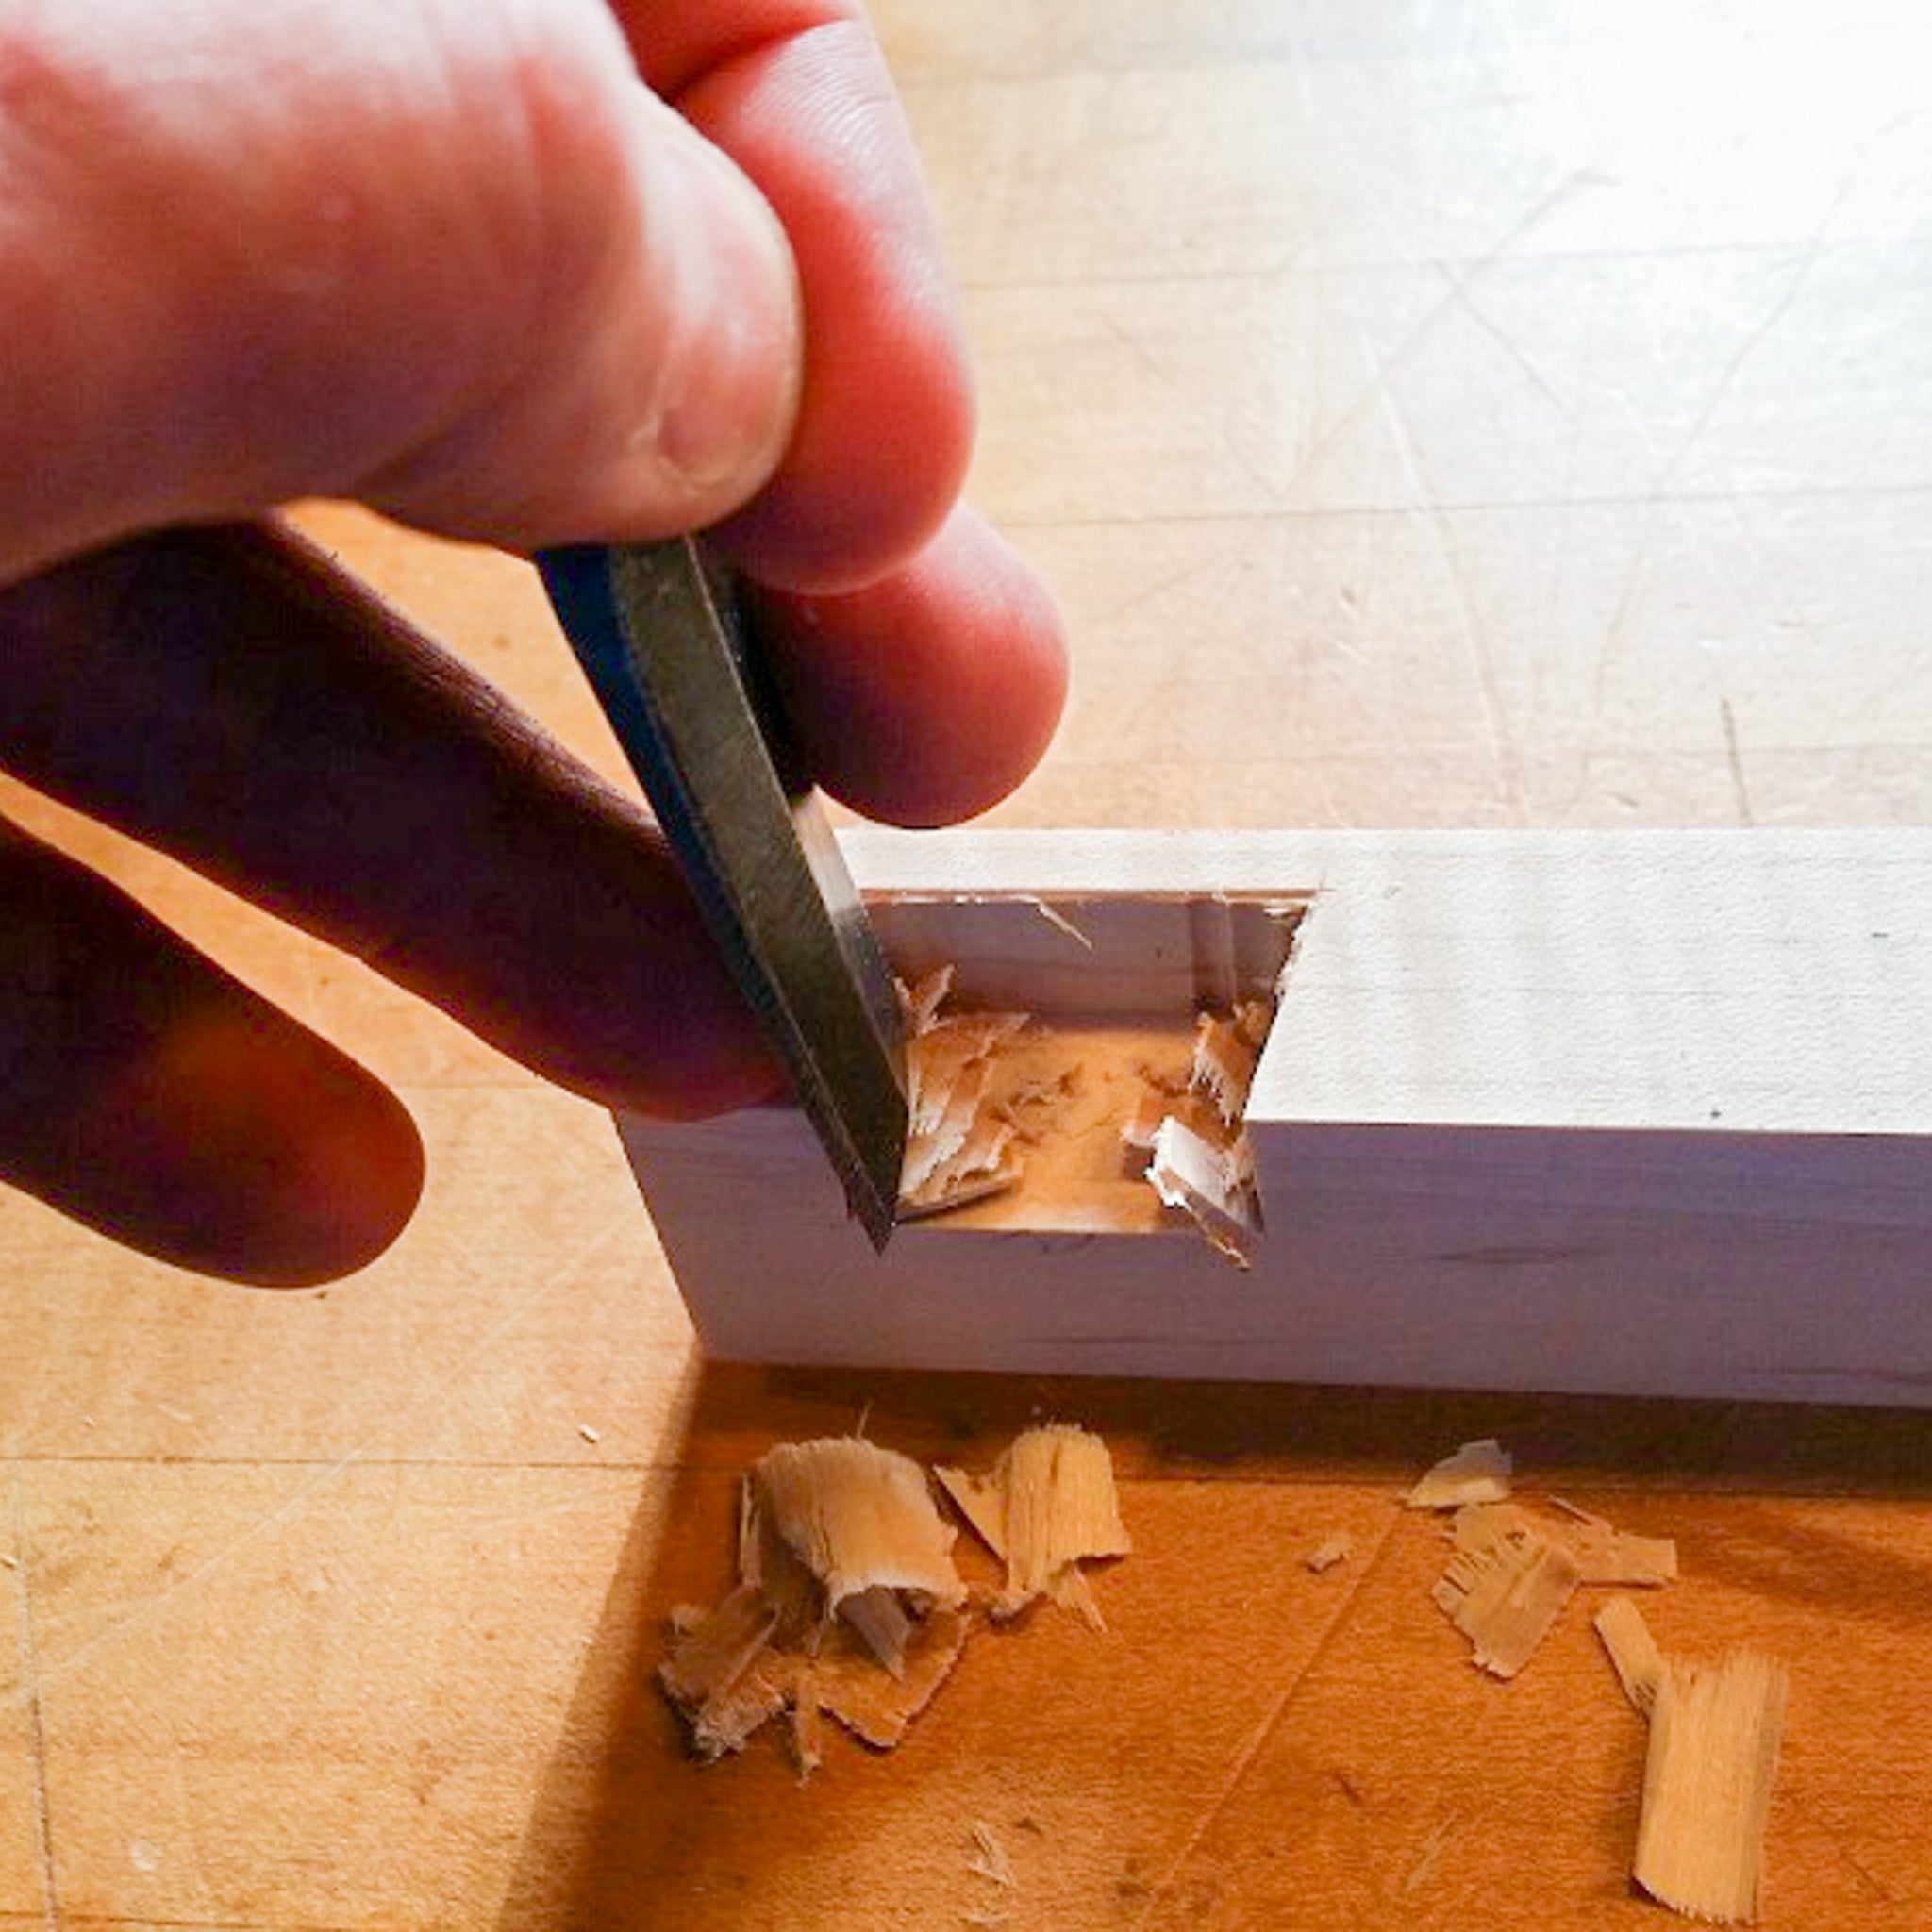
732 396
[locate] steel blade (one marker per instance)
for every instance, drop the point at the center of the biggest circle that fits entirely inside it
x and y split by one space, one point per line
659 632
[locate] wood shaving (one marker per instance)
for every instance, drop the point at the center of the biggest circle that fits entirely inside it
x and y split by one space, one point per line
957 1147
1603 1556
924 998
847 1604
1714 1728
1213 1185
1632 1650
860 1517
1330 1551
1514 1568
1226 1051
1048 1507
1060 922
1505 1598
1477 1473
1714 1737
1200 1161
844 1682
1617 1557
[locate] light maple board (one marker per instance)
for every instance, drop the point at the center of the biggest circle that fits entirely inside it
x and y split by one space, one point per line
1645 1112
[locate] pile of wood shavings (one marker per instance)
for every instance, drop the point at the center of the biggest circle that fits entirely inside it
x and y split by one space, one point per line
1714 1728
1514 1569
848 1604
958 1148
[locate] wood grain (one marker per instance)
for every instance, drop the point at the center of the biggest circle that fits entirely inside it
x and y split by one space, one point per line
1471 417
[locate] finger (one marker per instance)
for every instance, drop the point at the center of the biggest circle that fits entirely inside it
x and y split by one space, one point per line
797 93
475 274
231 699
928 696
145 1092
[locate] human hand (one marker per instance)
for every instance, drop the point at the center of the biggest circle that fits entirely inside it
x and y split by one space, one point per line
449 257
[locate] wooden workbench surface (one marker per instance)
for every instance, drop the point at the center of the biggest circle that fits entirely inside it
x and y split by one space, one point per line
1512 415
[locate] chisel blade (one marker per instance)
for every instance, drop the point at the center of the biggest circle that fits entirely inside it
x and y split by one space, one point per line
660 634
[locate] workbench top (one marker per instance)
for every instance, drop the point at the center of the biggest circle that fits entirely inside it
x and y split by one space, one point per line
1512 416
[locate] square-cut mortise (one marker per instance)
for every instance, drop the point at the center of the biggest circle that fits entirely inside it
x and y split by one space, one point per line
1118 988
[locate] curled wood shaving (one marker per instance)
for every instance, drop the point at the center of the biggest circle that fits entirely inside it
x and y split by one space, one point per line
1706 1786
1477 1473
1632 1650
860 1517
1049 1506
847 1604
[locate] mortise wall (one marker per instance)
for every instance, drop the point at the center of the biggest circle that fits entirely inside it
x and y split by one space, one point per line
1140 955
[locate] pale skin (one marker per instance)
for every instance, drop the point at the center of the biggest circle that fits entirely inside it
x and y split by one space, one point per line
457 259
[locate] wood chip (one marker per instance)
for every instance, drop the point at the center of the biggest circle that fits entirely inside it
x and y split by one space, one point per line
1616 1556
1477 1473
1200 1161
876 1706
1633 1652
1224 1063
1214 1186
713 1673
1603 1556
1330 1551
1706 1786
1504 1599
1049 1506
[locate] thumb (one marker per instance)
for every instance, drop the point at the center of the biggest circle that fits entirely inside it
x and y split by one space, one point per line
659 382
477 276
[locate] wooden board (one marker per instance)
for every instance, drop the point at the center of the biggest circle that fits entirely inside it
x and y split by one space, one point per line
1645 1112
